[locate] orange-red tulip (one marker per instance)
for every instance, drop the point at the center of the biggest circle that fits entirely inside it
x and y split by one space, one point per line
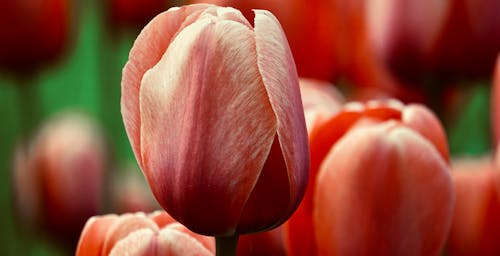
476 226
212 108
141 234
59 180
134 13
391 143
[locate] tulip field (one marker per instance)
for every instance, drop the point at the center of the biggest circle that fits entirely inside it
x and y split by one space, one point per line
266 127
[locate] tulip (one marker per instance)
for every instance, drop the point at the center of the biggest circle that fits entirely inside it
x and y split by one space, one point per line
32 33
140 234
429 40
134 13
59 179
212 109
377 132
475 224
320 100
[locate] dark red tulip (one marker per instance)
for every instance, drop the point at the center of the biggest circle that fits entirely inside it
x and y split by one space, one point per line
141 234
32 33
133 13
433 40
475 227
310 230
212 109
59 179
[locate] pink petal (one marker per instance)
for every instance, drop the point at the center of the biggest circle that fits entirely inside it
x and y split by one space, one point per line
203 110
148 48
277 68
125 225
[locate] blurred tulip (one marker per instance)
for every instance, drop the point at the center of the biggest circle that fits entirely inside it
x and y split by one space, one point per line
140 234
475 227
396 138
133 13
320 101
431 40
212 109
131 192
59 179
262 243
32 32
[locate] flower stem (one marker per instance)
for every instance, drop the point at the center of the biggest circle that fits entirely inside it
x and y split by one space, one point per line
226 246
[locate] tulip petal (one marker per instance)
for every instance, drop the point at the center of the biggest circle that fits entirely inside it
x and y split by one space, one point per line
93 235
125 225
147 50
205 85
397 194
420 119
277 67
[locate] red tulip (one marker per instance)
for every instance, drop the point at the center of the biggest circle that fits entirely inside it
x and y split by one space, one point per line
32 32
212 108
140 234
325 222
432 39
59 180
475 227
135 13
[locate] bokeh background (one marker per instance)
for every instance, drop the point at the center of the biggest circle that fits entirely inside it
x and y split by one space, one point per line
74 62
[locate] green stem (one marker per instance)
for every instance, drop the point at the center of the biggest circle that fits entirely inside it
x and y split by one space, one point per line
226 246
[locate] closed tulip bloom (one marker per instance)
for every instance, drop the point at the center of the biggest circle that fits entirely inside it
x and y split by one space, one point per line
324 214
212 108
59 179
475 227
495 104
140 234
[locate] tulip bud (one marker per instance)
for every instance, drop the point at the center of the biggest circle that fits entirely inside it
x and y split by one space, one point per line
140 234
310 230
212 109
59 179
495 104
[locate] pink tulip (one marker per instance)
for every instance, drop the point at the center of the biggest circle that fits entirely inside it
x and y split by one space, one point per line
325 222
59 179
475 227
140 234
212 109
